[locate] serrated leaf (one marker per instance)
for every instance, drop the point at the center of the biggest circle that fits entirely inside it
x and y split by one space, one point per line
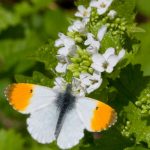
112 136
139 127
47 55
111 41
125 8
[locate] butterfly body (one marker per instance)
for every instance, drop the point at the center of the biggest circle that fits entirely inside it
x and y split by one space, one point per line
59 115
65 103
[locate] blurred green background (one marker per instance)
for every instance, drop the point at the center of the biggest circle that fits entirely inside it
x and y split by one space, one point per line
25 25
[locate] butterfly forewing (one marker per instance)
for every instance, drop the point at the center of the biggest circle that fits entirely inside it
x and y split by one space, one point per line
95 115
27 98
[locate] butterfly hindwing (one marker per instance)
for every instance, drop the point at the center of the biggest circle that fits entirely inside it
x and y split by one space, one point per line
72 130
27 98
42 124
95 115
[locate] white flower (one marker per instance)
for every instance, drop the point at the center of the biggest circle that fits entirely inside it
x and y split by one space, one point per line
83 12
112 14
60 83
62 64
78 26
94 45
92 82
78 88
101 5
107 61
66 43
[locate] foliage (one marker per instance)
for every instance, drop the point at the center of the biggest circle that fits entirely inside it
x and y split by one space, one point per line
27 25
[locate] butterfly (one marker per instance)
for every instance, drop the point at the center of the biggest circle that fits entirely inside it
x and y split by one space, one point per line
59 115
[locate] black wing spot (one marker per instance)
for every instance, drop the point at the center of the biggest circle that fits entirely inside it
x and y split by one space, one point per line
31 91
97 108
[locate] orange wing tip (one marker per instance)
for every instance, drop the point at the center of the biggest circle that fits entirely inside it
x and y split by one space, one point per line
103 117
18 95
113 119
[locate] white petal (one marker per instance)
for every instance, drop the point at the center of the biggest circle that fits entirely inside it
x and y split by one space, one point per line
109 69
113 60
60 83
101 11
78 14
98 59
110 51
94 4
61 68
101 32
90 39
94 87
63 51
81 8
121 54
92 50
58 43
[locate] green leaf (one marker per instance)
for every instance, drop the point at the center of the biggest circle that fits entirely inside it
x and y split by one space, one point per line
139 127
125 8
112 136
136 148
47 55
37 78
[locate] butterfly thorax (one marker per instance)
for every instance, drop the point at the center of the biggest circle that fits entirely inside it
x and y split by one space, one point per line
65 102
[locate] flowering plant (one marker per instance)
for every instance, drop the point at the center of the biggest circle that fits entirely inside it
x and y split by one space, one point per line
96 55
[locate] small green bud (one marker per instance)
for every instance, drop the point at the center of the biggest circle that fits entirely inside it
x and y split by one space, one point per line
144 111
112 25
90 70
84 67
123 28
71 34
86 63
76 74
108 25
84 71
117 20
138 103
75 60
80 52
78 39
85 57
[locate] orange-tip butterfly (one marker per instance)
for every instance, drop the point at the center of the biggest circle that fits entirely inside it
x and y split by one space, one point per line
59 115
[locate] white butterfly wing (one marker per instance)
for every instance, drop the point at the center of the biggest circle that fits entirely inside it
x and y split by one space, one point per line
42 124
72 130
27 98
95 115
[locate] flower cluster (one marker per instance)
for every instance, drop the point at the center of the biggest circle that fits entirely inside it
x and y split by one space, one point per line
79 52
